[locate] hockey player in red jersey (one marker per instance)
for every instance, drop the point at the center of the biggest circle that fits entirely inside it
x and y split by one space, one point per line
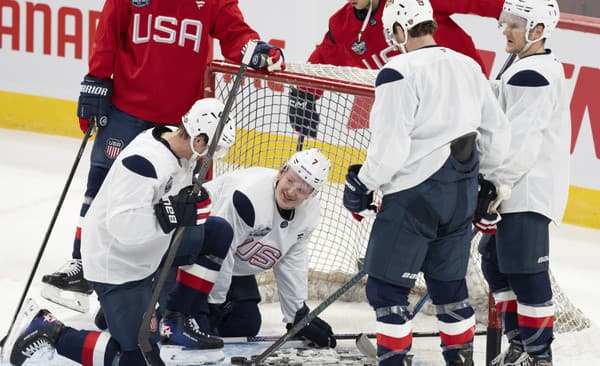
146 69
355 38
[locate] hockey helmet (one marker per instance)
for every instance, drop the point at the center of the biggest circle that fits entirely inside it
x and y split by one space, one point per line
203 118
310 165
407 13
535 12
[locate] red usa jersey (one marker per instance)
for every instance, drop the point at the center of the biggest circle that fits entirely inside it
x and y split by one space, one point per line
262 238
156 52
344 26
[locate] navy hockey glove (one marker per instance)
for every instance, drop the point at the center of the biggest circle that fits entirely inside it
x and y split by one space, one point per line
266 56
184 209
94 101
484 219
317 331
357 197
303 113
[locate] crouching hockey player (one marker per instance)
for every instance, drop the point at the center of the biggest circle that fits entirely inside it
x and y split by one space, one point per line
129 228
428 145
515 261
273 213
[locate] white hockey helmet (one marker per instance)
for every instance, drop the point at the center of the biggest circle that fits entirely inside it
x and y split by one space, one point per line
407 13
203 118
310 165
535 12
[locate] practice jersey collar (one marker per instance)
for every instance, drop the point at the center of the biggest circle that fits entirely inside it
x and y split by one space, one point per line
157 134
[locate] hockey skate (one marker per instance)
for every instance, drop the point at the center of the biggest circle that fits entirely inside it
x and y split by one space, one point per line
513 356
465 358
67 287
183 330
41 333
545 359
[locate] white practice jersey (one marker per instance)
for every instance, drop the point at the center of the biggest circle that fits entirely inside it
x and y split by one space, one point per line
262 239
121 238
533 94
425 99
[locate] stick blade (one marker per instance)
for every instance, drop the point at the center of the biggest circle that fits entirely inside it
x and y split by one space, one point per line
365 346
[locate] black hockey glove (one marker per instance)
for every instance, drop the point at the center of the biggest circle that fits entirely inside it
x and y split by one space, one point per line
94 101
357 198
266 56
184 209
303 112
483 219
317 331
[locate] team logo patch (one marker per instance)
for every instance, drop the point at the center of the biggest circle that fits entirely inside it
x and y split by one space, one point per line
262 231
169 185
140 3
113 148
284 224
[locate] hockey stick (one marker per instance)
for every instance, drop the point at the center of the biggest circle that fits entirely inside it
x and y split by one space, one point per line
86 137
256 360
150 353
509 61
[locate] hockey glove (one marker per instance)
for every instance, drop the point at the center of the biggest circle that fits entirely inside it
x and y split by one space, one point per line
94 101
485 219
357 197
184 209
303 113
317 331
266 56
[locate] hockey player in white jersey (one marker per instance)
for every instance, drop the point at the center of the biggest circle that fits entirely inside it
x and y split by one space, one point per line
515 261
273 213
146 195
435 124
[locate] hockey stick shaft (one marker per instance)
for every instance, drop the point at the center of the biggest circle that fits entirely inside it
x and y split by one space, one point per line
308 318
509 61
144 340
61 200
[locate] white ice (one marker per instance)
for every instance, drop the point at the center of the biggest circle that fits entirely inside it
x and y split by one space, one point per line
34 169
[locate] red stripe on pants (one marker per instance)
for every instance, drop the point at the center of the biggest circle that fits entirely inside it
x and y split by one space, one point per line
194 282
89 344
393 343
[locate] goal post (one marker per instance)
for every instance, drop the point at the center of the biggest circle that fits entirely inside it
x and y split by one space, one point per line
266 138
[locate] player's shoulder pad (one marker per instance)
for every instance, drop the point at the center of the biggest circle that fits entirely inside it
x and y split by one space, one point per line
387 75
244 208
140 165
528 78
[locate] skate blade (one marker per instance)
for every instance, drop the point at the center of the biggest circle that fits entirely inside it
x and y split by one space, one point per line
177 355
28 311
69 299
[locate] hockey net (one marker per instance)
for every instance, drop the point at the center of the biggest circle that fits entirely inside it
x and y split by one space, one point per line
266 138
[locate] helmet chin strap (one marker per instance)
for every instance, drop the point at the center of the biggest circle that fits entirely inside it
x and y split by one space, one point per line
196 155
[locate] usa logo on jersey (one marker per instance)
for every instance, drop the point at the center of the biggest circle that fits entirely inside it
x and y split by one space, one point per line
113 148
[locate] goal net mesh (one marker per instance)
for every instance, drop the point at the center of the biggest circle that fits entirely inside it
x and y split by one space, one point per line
265 138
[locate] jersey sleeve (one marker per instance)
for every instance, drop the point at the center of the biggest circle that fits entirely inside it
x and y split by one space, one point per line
485 8
328 52
494 134
392 115
111 27
291 275
231 30
528 99
130 213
